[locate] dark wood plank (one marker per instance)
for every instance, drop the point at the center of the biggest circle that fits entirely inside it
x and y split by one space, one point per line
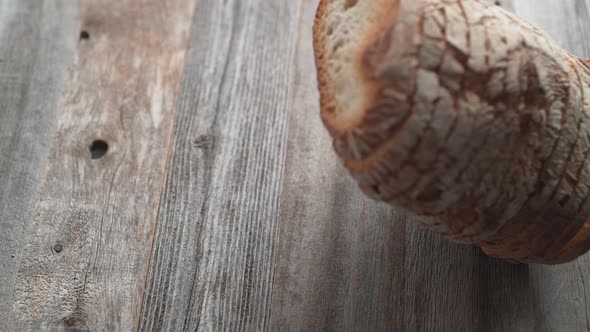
212 262
36 45
89 240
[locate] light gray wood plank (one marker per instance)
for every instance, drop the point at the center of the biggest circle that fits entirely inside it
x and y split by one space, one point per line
36 45
88 243
212 262
566 22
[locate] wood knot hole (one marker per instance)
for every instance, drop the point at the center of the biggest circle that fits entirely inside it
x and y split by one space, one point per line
98 149
84 35
203 141
75 324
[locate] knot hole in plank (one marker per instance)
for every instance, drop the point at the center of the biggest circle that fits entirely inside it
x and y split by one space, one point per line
98 149
84 35
204 142
75 324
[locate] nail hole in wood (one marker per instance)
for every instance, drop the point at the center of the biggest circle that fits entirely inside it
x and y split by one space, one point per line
58 248
203 142
98 149
84 35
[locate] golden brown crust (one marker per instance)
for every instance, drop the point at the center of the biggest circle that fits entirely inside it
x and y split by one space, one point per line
328 104
326 98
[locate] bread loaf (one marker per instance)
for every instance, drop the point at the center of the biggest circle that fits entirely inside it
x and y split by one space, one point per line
464 114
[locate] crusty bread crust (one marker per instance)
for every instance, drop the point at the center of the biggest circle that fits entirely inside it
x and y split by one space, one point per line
330 109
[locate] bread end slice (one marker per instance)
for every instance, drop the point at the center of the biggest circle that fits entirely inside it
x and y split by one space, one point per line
343 31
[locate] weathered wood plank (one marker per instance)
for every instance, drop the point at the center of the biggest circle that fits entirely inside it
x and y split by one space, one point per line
212 262
343 261
35 48
88 243
347 263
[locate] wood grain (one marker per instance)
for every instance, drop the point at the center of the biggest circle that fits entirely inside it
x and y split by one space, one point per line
87 244
259 226
35 48
347 263
212 261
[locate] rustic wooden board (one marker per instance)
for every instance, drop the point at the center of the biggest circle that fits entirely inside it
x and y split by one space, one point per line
87 245
259 226
212 261
35 48
345 262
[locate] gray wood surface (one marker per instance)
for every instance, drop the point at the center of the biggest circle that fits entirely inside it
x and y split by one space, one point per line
35 48
212 261
220 204
87 243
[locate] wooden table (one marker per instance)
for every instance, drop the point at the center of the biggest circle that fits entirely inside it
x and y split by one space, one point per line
218 203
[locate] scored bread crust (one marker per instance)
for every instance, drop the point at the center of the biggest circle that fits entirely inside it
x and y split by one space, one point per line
490 180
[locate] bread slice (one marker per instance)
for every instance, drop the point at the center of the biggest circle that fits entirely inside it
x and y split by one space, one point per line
343 31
